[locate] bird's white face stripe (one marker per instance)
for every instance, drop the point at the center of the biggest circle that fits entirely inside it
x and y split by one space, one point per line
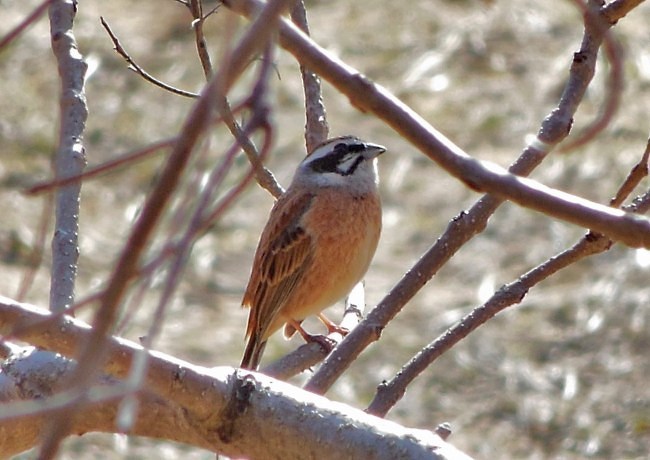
341 162
342 155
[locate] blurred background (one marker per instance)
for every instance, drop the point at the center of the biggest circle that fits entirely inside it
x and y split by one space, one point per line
562 375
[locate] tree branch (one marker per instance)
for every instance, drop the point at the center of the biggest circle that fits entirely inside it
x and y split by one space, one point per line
29 20
316 127
479 175
119 49
70 157
466 225
92 354
237 414
388 393
196 8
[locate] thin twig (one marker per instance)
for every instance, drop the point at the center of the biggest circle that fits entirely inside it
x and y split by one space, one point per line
139 70
389 393
316 127
196 8
89 173
637 173
481 176
201 218
466 225
227 200
135 379
264 176
92 356
20 28
36 257
614 87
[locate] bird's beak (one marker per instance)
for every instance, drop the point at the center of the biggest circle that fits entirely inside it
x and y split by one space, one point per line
373 150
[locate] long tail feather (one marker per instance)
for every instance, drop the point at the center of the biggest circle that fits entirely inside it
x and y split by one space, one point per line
252 354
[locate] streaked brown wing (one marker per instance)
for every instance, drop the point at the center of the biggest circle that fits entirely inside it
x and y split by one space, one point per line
282 256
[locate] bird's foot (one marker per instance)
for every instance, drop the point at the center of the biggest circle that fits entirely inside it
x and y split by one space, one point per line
325 342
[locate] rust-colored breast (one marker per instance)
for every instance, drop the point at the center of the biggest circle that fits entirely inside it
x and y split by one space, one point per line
344 231
314 249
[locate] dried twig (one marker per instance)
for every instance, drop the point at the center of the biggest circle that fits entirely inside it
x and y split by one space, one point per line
598 21
466 225
135 379
92 356
316 127
637 173
388 393
196 8
481 176
122 160
203 217
36 256
29 20
264 177
139 70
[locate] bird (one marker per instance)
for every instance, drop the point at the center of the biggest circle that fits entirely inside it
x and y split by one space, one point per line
318 242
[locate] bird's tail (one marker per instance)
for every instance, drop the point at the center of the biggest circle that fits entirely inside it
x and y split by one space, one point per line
253 353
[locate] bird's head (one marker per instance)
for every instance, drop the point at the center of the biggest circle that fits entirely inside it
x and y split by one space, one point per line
341 162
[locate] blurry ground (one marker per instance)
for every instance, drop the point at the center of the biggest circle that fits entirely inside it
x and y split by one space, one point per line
563 375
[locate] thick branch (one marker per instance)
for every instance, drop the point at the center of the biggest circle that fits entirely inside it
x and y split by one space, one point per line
236 413
33 374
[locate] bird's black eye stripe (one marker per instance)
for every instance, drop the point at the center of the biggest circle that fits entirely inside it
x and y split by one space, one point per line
330 163
355 148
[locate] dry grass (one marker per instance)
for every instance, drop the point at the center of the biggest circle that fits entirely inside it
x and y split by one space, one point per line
563 375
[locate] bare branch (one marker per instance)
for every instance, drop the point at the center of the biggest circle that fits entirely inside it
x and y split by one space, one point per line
139 70
70 156
264 177
388 393
196 8
70 160
122 160
33 375
316 127
29 20
466 225
481 176
618 9
236 409
92 355
637 173
200 219
597 20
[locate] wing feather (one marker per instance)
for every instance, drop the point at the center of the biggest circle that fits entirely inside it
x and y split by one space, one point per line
283 254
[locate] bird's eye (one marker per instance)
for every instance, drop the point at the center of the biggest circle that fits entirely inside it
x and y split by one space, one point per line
340 148
356 148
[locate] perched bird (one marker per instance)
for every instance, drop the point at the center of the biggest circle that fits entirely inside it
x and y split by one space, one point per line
317 244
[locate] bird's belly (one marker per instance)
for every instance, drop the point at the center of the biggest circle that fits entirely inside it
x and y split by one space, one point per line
342 253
